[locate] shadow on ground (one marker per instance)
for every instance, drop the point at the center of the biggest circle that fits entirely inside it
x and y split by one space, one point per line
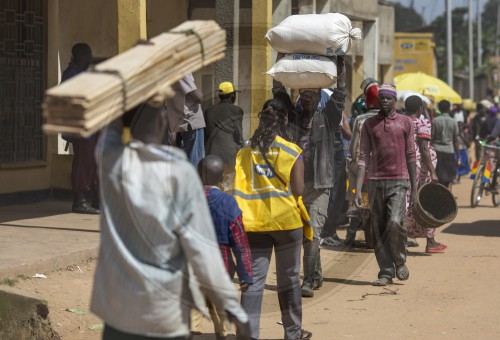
32 211
211 336
47 228
478 228
347 282
417 253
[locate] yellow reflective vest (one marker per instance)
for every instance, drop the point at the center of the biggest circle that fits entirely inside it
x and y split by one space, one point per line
267 204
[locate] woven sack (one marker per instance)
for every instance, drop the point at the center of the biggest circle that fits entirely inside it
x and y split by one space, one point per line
322 34
304 71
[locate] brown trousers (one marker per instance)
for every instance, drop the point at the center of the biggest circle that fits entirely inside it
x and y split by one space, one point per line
84 175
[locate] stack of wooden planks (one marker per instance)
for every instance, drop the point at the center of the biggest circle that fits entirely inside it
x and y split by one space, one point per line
89 101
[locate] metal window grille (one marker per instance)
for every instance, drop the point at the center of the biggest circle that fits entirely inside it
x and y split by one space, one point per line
22 79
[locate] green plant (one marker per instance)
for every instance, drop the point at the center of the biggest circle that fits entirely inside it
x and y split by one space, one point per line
9 282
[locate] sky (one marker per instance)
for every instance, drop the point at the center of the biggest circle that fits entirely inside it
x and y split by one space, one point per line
430 9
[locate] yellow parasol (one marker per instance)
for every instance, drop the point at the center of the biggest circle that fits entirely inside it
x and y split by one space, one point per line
427 85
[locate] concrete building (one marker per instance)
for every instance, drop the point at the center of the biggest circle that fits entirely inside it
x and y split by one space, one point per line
36 38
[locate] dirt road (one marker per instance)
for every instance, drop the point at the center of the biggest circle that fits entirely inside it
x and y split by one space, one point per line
455 295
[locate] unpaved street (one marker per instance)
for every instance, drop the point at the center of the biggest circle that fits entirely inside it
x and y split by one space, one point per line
455 295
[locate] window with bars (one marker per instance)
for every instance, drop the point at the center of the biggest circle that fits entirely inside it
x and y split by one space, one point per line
22 79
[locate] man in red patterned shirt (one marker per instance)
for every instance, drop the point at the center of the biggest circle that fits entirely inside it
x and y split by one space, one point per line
387 139
229 229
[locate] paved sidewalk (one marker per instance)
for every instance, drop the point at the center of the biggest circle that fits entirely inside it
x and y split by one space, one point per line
43 237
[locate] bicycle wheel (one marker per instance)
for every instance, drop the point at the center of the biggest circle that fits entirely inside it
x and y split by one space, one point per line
495 194
477 187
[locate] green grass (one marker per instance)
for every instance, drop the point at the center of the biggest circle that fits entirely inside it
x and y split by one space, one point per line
12 282
23 277
9 282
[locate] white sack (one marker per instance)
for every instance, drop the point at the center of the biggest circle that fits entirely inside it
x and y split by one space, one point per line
322 34
304 71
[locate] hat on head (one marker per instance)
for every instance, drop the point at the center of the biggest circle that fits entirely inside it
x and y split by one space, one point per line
371 96
226 88
389 89
368 81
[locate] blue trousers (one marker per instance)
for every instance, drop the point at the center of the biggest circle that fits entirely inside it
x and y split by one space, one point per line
193 143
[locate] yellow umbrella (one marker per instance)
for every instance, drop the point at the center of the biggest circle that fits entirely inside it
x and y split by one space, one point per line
427 85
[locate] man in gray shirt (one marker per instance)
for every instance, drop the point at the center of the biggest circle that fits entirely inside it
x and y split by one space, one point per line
156 257
444 131
185 118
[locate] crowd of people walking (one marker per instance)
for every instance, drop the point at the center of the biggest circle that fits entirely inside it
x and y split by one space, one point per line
187 183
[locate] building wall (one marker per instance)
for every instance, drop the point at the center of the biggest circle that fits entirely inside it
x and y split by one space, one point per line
386 34
356 9
163 15
75 25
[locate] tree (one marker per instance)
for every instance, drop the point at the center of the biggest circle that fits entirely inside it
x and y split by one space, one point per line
460 41
407 19
489 26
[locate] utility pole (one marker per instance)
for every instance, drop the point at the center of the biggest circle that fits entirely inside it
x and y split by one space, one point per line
471 55
479 35
497 43
449 43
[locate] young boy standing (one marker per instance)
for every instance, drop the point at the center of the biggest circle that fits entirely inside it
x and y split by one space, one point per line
231 236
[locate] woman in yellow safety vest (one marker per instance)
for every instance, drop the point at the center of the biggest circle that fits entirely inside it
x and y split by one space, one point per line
269 180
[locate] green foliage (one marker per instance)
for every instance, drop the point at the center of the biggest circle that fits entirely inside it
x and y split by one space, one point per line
489 26
407 19
23 277
459 22
9 282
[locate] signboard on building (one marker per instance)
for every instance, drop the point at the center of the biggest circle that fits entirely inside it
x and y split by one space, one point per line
414 52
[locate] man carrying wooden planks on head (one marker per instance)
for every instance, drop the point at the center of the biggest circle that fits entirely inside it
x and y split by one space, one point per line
157 237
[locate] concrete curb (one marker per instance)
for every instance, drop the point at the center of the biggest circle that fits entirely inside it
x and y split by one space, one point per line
48 265
24 317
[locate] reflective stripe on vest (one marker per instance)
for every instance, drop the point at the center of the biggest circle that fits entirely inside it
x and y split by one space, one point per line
266 203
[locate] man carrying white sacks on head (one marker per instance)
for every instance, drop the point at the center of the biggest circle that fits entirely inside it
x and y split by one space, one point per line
316 45
314 131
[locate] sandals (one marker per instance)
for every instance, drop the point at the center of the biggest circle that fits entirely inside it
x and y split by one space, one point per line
402 272
304 334
439 249
383 281
411 242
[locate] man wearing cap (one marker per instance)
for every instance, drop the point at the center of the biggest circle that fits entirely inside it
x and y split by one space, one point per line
313 129
388 140
223 133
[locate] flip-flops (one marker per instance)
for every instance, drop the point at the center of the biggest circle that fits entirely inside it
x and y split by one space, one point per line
411 242
383 281
439 249
402 272
305 334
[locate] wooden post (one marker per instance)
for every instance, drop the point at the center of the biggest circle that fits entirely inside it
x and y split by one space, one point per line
262 16
131 23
